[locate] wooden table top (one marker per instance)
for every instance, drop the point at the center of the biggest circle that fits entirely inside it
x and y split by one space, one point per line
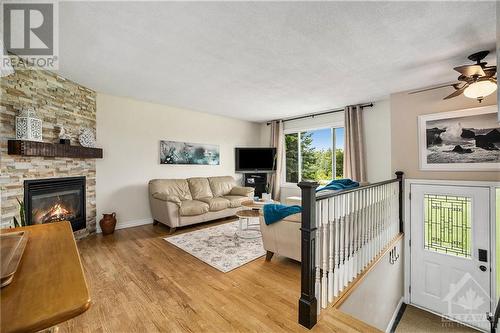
248 213
257 204
49 286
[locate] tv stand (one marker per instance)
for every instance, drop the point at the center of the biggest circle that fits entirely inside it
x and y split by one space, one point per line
258 181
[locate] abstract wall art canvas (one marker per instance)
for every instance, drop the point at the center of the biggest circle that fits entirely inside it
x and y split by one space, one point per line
464 140
173 152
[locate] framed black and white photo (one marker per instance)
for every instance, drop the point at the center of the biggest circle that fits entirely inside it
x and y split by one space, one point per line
463 140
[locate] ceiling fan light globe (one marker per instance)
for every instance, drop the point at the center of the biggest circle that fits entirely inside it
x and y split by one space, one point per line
480 89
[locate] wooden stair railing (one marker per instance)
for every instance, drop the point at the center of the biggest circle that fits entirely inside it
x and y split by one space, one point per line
342 233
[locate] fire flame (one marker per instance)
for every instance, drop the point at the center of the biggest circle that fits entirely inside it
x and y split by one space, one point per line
57 212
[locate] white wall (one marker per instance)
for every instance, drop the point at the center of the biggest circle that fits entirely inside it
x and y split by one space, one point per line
383 287
129 131
377 126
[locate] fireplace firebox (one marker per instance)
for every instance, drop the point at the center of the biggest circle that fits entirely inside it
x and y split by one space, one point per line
55 199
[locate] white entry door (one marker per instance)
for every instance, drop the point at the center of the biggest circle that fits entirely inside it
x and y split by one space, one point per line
450 251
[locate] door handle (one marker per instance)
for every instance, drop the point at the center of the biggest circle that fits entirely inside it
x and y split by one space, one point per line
482 268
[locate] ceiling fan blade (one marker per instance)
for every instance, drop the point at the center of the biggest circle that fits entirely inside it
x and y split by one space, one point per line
457 92
432 88
470 70
490 71
464 78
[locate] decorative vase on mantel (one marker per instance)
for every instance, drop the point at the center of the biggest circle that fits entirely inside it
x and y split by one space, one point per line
108 223
87 138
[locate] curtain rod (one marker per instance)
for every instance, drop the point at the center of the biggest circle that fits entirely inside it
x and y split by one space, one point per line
366 105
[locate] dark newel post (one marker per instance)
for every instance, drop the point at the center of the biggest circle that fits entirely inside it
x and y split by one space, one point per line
308 304
399 176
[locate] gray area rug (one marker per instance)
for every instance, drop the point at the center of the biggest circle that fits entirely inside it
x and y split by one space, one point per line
219 246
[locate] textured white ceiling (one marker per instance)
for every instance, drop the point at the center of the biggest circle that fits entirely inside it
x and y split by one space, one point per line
265 60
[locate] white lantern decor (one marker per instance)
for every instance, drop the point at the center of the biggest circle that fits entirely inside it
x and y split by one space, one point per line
28 125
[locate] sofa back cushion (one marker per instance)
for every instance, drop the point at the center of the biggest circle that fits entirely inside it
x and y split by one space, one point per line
176 187
199 187
221 185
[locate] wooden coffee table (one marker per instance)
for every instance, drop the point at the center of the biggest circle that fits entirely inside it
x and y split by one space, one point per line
248 230
257 204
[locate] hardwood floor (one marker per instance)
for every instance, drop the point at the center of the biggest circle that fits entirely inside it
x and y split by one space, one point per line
141 283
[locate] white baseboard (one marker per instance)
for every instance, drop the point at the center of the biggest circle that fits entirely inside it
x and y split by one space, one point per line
127 224
394 315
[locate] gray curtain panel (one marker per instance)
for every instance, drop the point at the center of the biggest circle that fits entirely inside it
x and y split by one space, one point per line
277 141
354 153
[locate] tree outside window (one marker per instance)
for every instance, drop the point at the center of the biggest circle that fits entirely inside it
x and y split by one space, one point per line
309 155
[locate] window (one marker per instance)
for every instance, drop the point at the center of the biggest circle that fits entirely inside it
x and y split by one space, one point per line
447 224
309 155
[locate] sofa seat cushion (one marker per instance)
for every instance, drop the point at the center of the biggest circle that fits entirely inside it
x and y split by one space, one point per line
221 185
199 187
193 207
236 200
216 204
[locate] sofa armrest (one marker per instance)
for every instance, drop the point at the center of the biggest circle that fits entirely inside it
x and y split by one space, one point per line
166 212
166 197
282 238
243 191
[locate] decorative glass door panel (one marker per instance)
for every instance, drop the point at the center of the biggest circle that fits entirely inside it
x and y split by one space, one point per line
447 224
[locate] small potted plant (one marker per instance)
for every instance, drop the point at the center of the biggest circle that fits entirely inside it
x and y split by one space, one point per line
22 215
267 195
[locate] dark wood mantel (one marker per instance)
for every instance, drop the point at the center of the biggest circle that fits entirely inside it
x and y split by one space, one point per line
33 148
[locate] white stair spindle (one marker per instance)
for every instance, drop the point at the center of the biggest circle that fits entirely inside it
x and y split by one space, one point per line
365 227
355 235
374 223
386 225
324 254
370 225
361 230
342 243
331 251
347 240
379 220
336 212
317 252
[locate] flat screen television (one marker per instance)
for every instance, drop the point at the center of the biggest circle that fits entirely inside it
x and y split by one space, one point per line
255 159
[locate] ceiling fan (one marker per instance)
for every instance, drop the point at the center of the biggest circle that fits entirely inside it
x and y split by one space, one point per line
475 81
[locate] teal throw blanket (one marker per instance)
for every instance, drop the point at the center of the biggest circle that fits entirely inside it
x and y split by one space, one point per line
339 184
275 212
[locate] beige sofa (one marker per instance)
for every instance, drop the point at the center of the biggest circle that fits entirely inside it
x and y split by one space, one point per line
181 202
283 237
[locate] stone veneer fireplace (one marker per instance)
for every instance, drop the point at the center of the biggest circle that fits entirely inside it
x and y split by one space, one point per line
54 200
57 101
